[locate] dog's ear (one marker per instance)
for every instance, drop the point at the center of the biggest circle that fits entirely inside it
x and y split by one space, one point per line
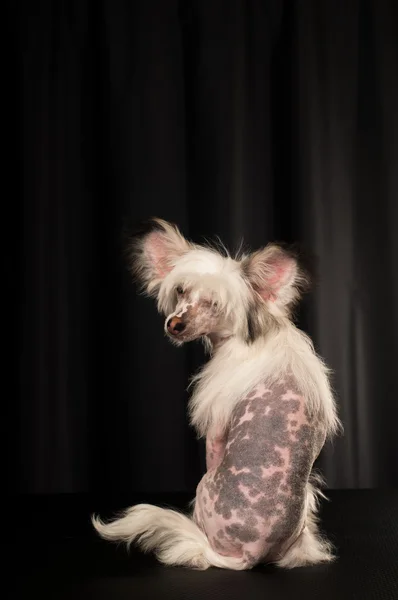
155 247
275 274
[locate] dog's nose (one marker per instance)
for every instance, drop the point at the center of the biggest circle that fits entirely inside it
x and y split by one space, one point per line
175 325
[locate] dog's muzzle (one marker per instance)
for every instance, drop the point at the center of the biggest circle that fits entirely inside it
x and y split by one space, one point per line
175 326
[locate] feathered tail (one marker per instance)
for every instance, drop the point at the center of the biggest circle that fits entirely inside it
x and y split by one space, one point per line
172 536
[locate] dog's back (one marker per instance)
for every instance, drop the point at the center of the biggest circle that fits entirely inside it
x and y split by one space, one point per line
253 504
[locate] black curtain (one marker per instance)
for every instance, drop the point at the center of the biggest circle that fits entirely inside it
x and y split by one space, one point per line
255 119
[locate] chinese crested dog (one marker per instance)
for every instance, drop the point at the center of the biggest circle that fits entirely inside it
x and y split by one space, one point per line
262 402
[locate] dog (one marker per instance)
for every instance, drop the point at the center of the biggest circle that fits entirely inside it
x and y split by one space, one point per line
263 402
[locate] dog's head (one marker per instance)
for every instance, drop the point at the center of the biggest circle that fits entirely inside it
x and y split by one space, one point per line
205 293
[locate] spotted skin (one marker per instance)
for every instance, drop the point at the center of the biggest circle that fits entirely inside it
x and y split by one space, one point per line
215 448
251 501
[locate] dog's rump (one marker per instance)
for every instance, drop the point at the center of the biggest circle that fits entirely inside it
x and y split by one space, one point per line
254 502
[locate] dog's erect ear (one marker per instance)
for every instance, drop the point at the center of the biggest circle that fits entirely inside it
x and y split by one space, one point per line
155 248
274 273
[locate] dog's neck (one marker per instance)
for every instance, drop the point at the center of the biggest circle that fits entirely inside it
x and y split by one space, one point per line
217 340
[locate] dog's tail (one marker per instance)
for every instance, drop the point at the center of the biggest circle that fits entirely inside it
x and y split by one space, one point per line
172 536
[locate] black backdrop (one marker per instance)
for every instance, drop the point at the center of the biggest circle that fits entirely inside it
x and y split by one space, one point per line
261 119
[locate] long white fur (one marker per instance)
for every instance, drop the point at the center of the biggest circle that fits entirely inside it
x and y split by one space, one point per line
165 261
174 537
237 368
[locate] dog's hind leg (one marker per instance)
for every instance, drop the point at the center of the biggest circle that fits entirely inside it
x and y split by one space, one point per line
310 547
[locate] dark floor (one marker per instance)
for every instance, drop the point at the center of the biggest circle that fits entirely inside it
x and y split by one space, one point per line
55 554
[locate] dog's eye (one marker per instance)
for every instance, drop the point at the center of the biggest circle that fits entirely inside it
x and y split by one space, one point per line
179 290
215 304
